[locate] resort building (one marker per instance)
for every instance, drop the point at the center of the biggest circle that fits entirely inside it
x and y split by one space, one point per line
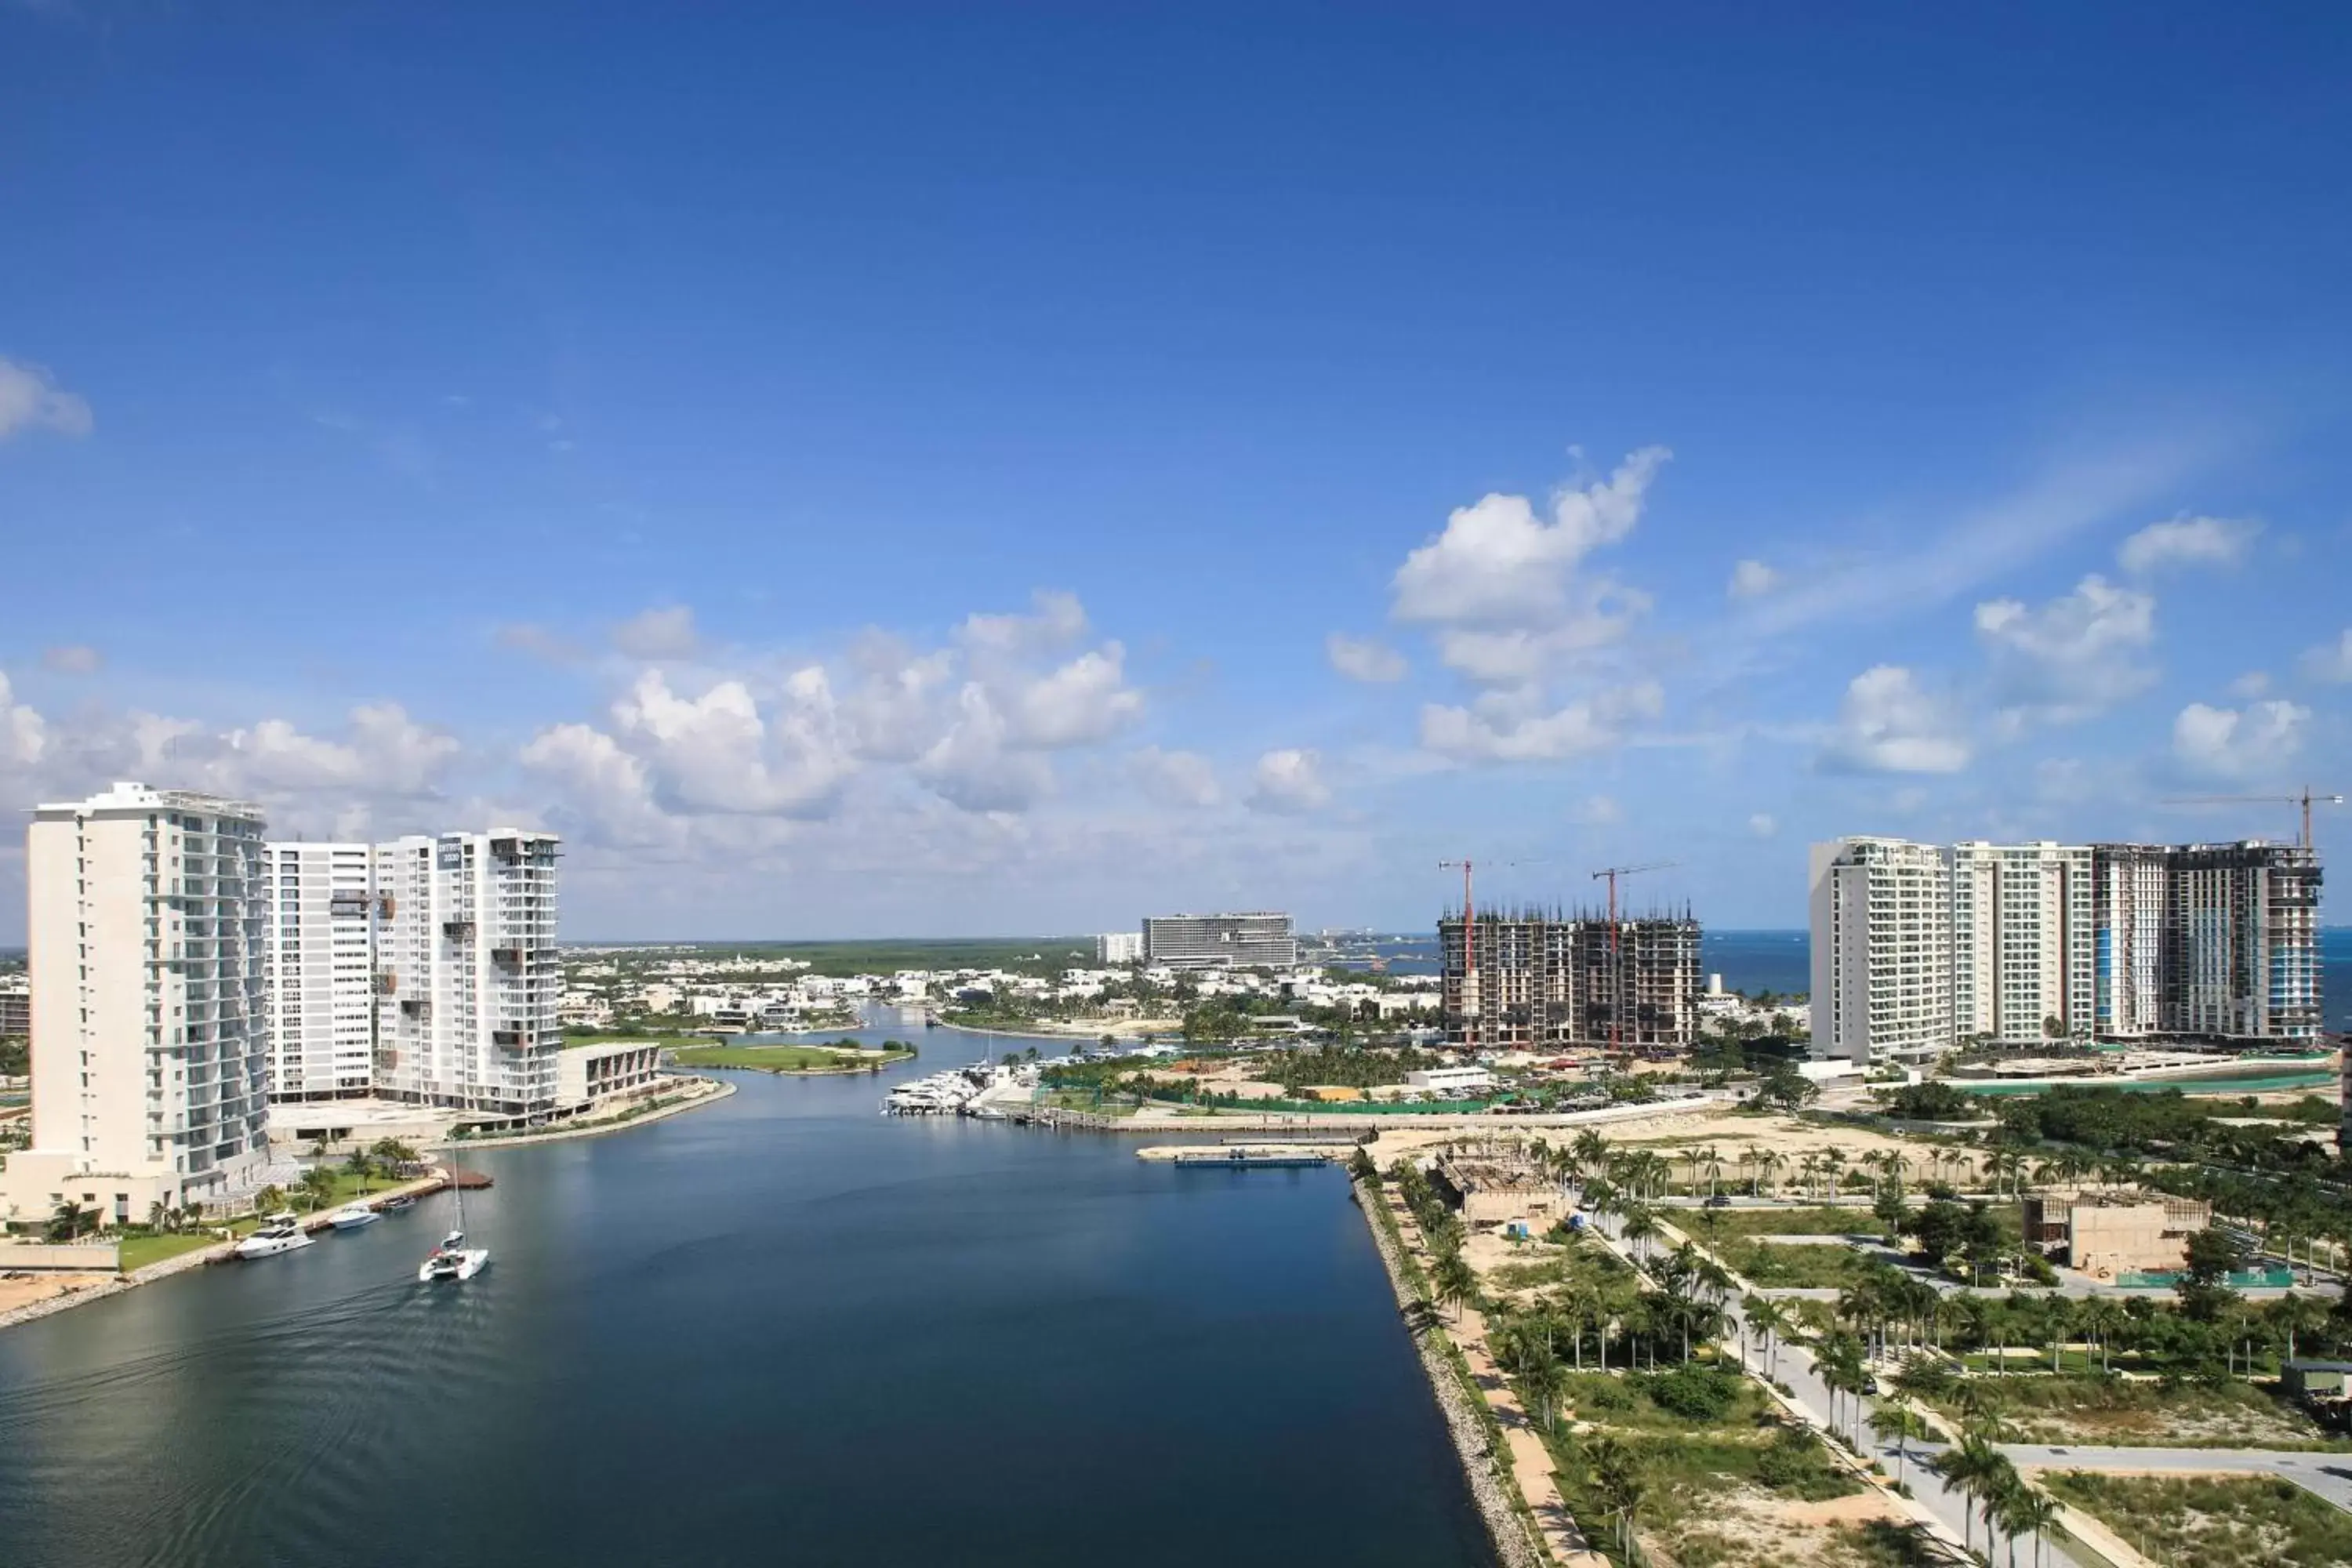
589 1074
2033 942
321 971
1882 950
1254 940
146 914
15 1005
465 976
1119 947
2024 960
1531 978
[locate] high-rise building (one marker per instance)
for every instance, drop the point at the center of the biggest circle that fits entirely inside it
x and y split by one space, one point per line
1517 979
2114 942
421 970
146 914
1882 950
322 951
16 1004
1254 941
1118 947
2024 957
465 974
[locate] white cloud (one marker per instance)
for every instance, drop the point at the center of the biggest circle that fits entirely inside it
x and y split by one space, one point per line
1887 723
896 706
2249 743
2187 542
2257 682
1508 727
1596 811
1175 778
718 751
1056 621
2330 661
30 399
664 632
387 753
612 785
1763 826
1498 567
1084 701
1752 579
974 765
23 735
72 658
1289 780
1363 658
2073 658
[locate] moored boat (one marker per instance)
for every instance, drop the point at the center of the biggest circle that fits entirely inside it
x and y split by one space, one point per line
279 1233
353 1215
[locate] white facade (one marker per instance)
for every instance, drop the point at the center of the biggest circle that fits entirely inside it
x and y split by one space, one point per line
321 971
2131 898
2024 948
467 980
1119 947
1259 939
146 913
1450 1081
1882 950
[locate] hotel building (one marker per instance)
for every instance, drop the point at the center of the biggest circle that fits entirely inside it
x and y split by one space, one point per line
1254 941
147 911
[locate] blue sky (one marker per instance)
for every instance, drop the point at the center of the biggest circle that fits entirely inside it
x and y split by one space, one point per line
891 470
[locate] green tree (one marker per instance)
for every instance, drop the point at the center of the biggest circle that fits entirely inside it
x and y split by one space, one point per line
1453 1283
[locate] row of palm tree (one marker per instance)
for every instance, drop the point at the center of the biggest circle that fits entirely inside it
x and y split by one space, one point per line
1983 1475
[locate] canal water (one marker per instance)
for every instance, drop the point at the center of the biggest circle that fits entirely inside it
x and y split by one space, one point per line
783 1328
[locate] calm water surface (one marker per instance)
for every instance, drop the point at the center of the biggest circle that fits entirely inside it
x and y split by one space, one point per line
779 1329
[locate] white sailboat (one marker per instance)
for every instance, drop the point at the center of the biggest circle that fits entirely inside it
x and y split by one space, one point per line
452 1259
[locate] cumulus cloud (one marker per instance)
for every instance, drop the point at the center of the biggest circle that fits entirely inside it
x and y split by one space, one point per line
24 733
1510 726
2239 744
72 658
1055 620
664 632
1888 723
1084 700
2257 682
1363 658
612 785
30 399
1752 579
718 751
1175 778
1763 826
2331 661
2073 658
1289 780
2187 542
975 764
1499 566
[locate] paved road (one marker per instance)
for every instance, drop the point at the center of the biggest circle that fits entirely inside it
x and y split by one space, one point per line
2327 1475
1794 1367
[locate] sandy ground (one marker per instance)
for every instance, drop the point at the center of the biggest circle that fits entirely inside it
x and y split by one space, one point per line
31 1287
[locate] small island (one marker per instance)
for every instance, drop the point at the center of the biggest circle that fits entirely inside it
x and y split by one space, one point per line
842 1056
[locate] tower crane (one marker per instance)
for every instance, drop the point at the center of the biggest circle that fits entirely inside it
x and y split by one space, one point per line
1616 964
1470 932
2305 800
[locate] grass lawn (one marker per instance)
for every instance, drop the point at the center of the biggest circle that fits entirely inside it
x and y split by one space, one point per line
785 1059
2224 1521
1084 1100
2071 1408
1805 1266
1730 1223
139 1251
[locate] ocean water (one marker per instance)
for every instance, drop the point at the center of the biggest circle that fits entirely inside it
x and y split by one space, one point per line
783 1328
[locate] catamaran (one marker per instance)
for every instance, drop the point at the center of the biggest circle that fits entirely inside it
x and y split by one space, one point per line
279 1233
452 1259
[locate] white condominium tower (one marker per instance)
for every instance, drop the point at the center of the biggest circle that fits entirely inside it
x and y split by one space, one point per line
145 920
321 971
2024 960
1882 950
466 979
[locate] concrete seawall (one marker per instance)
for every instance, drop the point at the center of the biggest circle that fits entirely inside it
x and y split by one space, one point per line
1481 1467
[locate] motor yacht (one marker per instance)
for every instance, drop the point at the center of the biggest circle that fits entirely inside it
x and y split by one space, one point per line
353 1215
279 1233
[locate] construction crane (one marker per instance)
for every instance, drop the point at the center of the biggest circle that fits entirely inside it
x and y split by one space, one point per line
1470 932
1616 968
2304 800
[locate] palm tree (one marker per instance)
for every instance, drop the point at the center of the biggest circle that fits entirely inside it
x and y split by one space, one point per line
1618 1477
1895 1422
2028 1512
1581 1305
69 1221
1751 1160
1768 1317
1639 1227
1545 1383
269 1199
317 1184
1453 1283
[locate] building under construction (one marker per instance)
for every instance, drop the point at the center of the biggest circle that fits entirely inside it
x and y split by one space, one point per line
1533 978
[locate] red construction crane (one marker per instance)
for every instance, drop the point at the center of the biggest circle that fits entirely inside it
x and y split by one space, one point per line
1616 970
2303 800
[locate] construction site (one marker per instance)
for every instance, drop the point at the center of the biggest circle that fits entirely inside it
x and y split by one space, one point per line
1528 978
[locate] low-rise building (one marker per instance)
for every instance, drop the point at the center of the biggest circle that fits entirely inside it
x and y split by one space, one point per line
2107 1235
587 1074
16 1004
1450 1081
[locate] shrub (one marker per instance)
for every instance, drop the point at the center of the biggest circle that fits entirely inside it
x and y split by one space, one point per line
1792 1458
1694 1393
